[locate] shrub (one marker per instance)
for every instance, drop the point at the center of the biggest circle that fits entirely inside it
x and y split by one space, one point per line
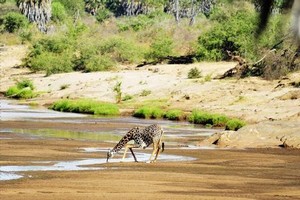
205 118
98 63
58 12
234 124
200 117
85 106
25 83
160 48
149 112
220 120
72 6
233 35
135 23
102 15
14 21
22 90
121 50
51 63
174 115
117 89
127 97
145 93
194 73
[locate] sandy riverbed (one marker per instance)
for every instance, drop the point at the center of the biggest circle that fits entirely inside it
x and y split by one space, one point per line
215 174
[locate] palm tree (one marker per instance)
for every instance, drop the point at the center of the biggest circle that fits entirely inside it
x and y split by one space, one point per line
37 11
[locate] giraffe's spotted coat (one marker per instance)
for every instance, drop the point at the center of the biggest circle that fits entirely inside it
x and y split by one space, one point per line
142 137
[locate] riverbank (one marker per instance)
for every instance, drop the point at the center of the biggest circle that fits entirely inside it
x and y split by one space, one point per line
252 99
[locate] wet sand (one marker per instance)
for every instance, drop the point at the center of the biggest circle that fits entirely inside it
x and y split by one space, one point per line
214 174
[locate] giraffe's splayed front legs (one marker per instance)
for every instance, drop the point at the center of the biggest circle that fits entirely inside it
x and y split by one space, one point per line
129 146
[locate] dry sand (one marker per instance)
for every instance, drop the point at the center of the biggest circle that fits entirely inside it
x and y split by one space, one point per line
216 174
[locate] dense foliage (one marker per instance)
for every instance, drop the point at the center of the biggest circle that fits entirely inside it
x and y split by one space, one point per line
97 35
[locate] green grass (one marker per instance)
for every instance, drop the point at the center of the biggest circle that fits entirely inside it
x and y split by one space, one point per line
234 124
174 115
216 120
85 106
149 112
22 90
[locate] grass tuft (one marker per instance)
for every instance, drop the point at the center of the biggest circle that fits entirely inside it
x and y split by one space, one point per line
22 90
85 106
218 120
174 115
234 124
149 112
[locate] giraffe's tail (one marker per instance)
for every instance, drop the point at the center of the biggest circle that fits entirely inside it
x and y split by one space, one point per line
162 144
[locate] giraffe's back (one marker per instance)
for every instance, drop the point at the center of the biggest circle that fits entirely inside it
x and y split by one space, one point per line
152 133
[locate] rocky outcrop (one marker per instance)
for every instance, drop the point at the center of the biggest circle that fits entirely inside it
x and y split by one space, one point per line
265 134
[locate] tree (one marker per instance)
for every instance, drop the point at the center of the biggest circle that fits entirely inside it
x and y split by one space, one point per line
37 11
189 8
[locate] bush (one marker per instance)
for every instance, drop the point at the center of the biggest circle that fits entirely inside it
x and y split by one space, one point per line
160 48
234 124
14 21
85 106
234 35
22 90
24 84
53 55
121 50
51 63
205 118
135 23
174 115
72 6
194 73
58 12
102 15
149 112
145 93
98 63
127 97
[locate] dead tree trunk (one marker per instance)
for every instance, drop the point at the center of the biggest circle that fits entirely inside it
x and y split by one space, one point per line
177 11
37 11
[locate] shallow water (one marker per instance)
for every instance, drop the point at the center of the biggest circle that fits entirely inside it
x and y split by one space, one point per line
12 172
174 133
10 110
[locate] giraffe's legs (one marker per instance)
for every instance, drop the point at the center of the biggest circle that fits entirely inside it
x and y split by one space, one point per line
158 151
129 146
155 150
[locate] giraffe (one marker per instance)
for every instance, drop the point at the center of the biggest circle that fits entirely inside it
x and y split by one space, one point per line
142 139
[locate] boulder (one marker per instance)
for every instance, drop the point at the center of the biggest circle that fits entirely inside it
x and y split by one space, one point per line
264 134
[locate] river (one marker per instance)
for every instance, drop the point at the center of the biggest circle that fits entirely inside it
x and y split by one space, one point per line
47 123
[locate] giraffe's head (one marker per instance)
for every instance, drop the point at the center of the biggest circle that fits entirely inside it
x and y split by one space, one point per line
110 154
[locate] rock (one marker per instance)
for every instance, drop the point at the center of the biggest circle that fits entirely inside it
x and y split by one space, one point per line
291 95
264 134
291 141
213 139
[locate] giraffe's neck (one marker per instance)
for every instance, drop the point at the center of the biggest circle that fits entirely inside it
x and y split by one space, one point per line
122 142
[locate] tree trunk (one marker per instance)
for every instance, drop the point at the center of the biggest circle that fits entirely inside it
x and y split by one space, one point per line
177 11
37 11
